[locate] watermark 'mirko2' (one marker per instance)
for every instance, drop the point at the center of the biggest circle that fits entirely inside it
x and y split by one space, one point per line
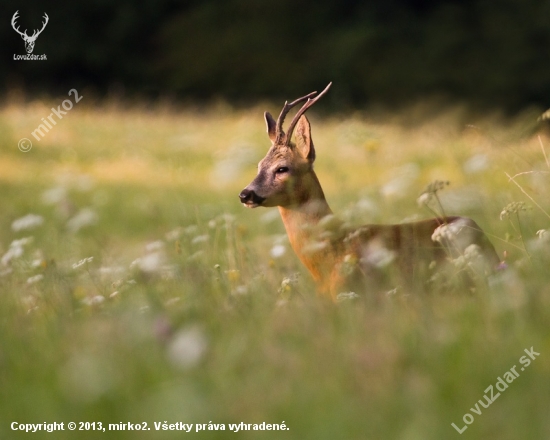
49 121
67 105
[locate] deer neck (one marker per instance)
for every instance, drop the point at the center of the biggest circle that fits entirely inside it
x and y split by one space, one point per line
301 222
310 207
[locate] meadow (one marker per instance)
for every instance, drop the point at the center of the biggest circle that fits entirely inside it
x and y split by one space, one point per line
135 288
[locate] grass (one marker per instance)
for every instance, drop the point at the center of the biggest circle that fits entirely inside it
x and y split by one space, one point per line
147 294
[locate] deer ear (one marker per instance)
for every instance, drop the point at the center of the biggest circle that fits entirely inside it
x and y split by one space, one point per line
270 125
304 144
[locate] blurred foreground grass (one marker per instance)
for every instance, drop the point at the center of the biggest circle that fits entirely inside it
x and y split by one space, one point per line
134 287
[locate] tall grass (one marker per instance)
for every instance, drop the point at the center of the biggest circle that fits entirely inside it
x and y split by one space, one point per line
140 291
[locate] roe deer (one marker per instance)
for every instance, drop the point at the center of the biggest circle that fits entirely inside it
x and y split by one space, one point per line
339 257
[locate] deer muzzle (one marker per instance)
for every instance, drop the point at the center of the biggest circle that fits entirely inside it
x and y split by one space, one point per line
250 199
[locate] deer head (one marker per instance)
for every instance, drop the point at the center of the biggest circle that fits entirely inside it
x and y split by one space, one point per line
29 41
285 175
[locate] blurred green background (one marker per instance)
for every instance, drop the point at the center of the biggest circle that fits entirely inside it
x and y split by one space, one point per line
489 54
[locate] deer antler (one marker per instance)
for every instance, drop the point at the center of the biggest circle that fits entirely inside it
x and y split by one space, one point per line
280 134
37 33
16 29
304 108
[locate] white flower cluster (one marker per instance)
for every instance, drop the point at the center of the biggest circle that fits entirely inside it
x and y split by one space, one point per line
15 250
28 221
83 262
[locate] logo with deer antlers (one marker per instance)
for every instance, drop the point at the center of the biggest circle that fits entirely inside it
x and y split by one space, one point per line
29 40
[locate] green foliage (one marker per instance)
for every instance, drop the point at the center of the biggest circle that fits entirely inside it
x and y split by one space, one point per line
374 52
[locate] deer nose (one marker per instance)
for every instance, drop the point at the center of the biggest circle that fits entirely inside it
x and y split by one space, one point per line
246 195
250 198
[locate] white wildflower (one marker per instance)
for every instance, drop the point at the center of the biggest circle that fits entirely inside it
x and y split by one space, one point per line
380 257
200 239
187 347
154 246
440 234
471 258
349 264
287 285
35 279
84 217
149 263
12 253
174 234
28 221
117 283
457 235
111 270
375 254
476 164
512 208
93 300
38 262
191 230
277 251
447 232
54 195
346 296
83 262
367 206
472 252
169 272
240 290
22 241
314 246
424 199
540 244
15 250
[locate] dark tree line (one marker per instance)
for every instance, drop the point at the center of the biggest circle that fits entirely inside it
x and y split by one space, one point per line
490 53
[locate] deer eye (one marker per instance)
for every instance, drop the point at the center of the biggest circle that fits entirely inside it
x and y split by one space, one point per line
282 170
